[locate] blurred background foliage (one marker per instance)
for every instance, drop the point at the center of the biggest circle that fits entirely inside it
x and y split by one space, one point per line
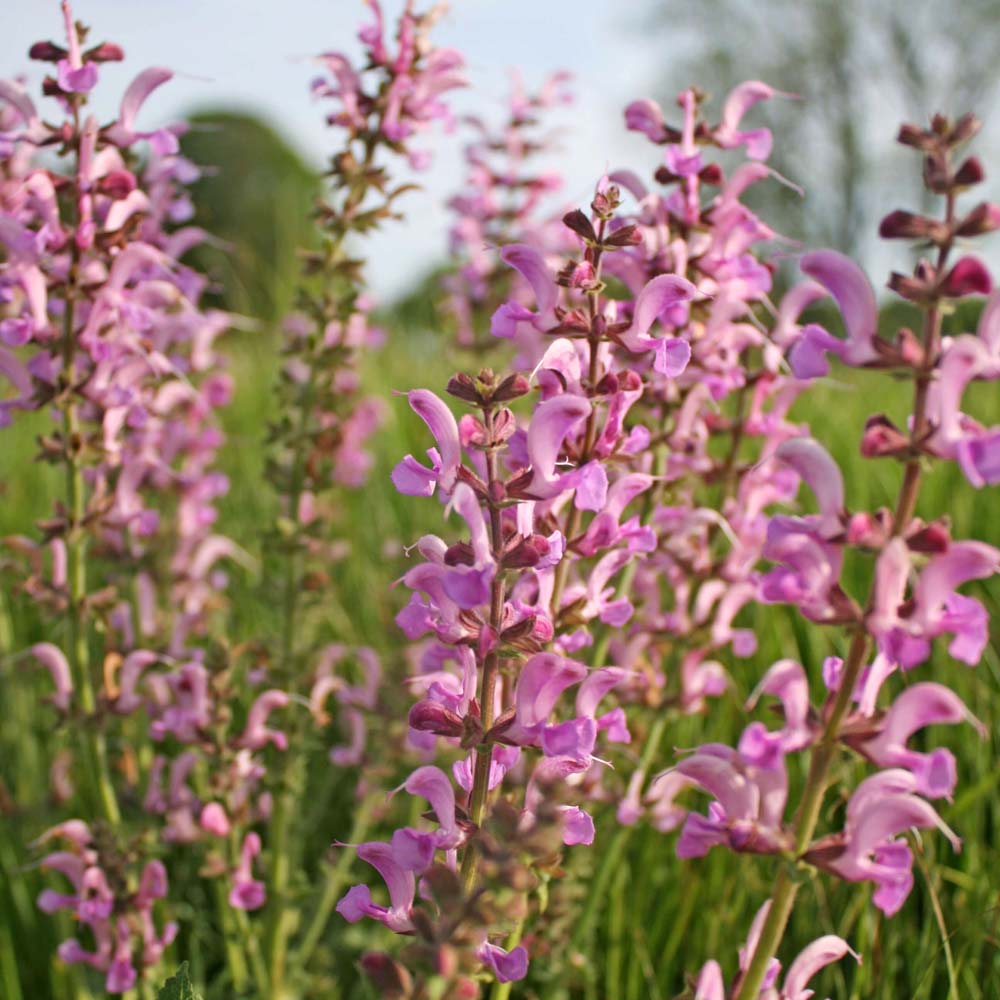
860 67
636 919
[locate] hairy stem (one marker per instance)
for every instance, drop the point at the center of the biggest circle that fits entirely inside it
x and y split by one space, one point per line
491 668
807 817
291 773
96 776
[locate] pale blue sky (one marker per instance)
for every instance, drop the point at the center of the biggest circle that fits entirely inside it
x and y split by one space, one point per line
254 54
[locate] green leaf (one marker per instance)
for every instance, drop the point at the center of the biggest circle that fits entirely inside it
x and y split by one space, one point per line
178 987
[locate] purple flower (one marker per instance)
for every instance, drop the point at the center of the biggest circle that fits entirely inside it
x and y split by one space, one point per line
749 803
53 659
657 298
738 101
256 734
551 422
247 893
921 705
508 967
357 902
881 808
822 952
821 474
510 315
851 290
645 116
808 570
412 478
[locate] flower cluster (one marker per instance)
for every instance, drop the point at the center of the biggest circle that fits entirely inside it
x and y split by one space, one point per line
118 915
504 199
317 442
102 325
621 500
914 596
513 611
794 985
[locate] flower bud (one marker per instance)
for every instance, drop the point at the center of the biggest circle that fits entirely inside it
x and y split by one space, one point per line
431 717
916 137
936 175
459 554
917 288
608 385
909 347
969 173
489 640
117 184
711 174
966 128
624 236
105 52
629 381
882 437
665 176
527 553
389 977
47 52
968 277
511 387
908 226
984 218
463 387
580 224
931 539
867 530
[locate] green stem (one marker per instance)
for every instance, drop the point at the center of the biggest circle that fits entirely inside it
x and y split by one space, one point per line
249 936
491 670
785 888
291 774
96 775
501 991
609 862
333 885
949 959
235 958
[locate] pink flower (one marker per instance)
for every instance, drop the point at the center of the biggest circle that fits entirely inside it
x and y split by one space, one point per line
851 290
508 967
247 893
52 658
552 421
822 952
882 807
738 102
357 902
749 802
414 479
921 705
531 265
821 474
256 734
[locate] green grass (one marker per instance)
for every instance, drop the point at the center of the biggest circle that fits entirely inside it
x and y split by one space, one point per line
656 918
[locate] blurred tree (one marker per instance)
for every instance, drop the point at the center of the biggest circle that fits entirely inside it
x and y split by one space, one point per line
256 195
860 67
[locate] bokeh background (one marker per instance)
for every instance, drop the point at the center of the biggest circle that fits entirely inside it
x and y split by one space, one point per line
859 67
